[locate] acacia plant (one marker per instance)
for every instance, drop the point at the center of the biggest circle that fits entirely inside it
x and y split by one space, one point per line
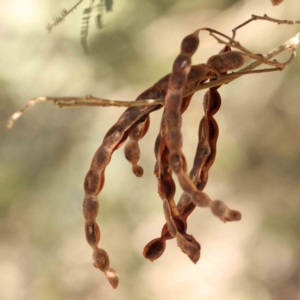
172 92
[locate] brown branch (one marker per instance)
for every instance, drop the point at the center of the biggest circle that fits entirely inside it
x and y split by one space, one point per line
265 17
89 100
80 101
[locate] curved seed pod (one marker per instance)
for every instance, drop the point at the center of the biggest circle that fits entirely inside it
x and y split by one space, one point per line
222 211
166 184
208 135
203 162
205 155
94 182
101 262
177 85
173 103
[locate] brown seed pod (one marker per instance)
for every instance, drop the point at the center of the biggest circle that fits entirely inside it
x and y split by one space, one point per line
206 149
173 103
205 155
101 262
221 210
94 182
175 226
132 149
227 61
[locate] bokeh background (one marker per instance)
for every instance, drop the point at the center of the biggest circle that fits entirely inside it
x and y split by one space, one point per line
45 156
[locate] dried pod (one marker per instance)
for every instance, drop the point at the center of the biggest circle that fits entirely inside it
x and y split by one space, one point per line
222 211
189 246
227 61
154 249
101 262
205 155
92 233
112 277
132 149
94 182
90 207
190 43
101 259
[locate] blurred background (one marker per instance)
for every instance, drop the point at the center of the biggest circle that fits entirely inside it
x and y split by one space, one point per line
45 156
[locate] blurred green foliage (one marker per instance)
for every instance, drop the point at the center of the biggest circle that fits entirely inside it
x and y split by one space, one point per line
45 156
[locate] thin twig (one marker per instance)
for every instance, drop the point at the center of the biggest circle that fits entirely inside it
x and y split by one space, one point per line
292 43
265 17
258 57
89 100
94 101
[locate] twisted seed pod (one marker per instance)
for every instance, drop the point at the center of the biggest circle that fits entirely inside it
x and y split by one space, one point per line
176 225
155 248
205 155
204 158
173 100
208 135
166 188
206 149
158 90
173 103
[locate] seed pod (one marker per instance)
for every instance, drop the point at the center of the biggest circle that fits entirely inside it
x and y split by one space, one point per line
227 61
94 182
166 190
92 233
101 259
90 207
132 149
190 43
101 262
205 155
189 246
154 249
221 210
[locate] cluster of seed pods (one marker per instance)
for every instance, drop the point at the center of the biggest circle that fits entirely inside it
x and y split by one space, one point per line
177 89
